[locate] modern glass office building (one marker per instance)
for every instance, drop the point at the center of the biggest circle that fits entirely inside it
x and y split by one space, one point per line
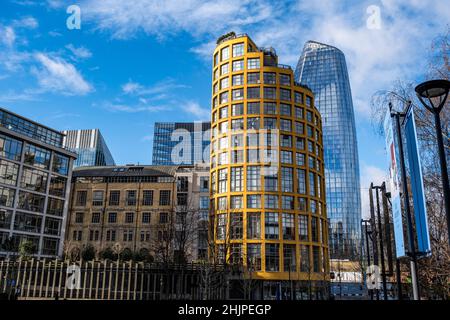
90 147
323 68
35 174
268 214
181 143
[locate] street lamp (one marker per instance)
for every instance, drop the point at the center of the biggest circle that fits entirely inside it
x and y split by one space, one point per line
432 90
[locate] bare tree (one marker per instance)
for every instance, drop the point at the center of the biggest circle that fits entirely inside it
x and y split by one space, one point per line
434 270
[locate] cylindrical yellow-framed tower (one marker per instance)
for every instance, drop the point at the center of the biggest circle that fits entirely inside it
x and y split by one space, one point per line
268 213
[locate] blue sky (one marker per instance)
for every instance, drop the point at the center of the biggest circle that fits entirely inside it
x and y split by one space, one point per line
136 62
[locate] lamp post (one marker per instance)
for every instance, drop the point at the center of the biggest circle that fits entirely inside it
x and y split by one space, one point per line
429 90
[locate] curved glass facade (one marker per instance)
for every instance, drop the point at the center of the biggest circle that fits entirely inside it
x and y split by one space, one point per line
323 68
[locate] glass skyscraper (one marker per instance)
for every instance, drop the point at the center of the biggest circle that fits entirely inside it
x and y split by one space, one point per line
176 143
323 68
90 146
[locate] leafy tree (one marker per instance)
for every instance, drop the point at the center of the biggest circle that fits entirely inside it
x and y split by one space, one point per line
126 254
108 254
26 249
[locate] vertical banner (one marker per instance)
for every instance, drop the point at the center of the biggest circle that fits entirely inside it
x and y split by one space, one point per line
420 209
394 186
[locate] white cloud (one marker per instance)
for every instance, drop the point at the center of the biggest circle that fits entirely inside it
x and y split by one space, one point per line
79 52
118 107
369 174
196 110
26 22
160 90
7 35
57 75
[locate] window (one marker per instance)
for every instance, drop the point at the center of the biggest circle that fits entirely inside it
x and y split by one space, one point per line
270 93
129 217
298 113
204 184
285 125
302 227
237 156
97 198
288 202
270 201
221 226
79 217
237 94
253 78
224 97
27 222
8 172
204 202
288 226
286 141
302 204
236 183
238 80
253 63
10 148
237 140
270 78
77 235
253 178
254 256
316 259
112 217
252 139
253 155
223 127
253 225
182 184
34 180
300 144
236 254
301 181
285 79
253 93
60 164
270 108
127 235
57 186
308 101
7 197
163 217
271 180
236 226
164 198
254 201
312 184
222 203
315 232
287 179
111 235
95 217
37 157
289 257
30 201
309 116
114 197
236 202
285 109
285 94
238 65
147 198
223 180
146 216
300 159
253 108
310 132
299 128
298 97
224 69
237 109
286 157
304 259
145 235
270 123
225 53
55 207
253 124
271 225
224 83
272 257
216 59
238 50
